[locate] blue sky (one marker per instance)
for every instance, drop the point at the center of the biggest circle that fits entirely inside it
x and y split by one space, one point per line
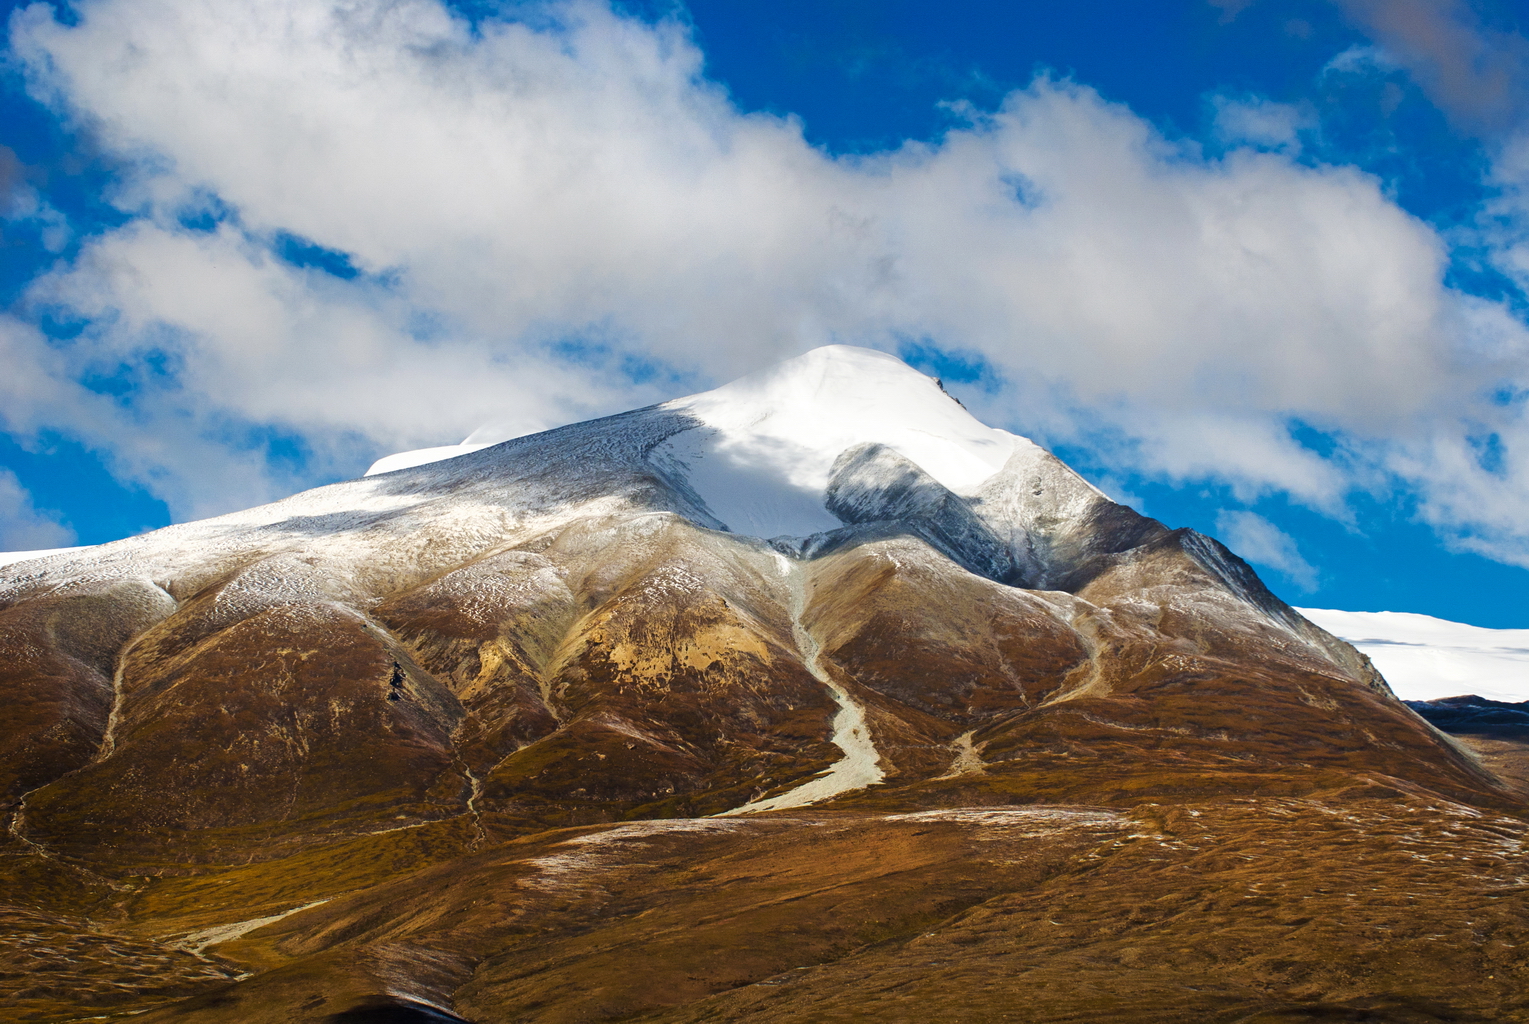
1257 267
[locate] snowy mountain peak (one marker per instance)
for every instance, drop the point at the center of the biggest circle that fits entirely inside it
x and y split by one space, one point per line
764 446
759 451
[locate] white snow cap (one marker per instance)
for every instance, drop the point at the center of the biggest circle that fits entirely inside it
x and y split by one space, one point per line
762 447
1424 658
762 456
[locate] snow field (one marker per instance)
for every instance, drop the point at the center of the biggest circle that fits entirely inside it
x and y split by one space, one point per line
1424 658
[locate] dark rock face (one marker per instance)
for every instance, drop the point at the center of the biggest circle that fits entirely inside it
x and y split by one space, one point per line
871 483
459 732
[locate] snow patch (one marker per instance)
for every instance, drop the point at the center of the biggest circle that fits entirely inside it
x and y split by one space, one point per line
968 760
1424 658
758 451
421 456
589 854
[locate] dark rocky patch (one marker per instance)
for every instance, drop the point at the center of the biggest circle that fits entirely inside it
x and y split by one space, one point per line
1476 716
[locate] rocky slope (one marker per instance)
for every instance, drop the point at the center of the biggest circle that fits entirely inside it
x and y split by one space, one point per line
855 670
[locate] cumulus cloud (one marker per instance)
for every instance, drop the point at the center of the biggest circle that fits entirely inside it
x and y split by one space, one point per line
548 219
1257 540
23 527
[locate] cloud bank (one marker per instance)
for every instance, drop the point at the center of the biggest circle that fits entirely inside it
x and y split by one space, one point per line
362 226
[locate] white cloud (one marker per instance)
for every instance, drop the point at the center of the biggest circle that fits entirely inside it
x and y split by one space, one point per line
1257 540
507 190
23 527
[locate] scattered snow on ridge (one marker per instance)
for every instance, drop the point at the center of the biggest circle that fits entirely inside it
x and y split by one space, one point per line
1424 658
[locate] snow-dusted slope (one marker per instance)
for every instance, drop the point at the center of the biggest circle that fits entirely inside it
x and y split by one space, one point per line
1424 658
9 557
836 437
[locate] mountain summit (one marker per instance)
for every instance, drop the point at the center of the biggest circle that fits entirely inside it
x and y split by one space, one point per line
819 611
760 452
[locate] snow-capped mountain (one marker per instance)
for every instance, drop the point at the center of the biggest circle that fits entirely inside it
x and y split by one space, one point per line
825 588
766 502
